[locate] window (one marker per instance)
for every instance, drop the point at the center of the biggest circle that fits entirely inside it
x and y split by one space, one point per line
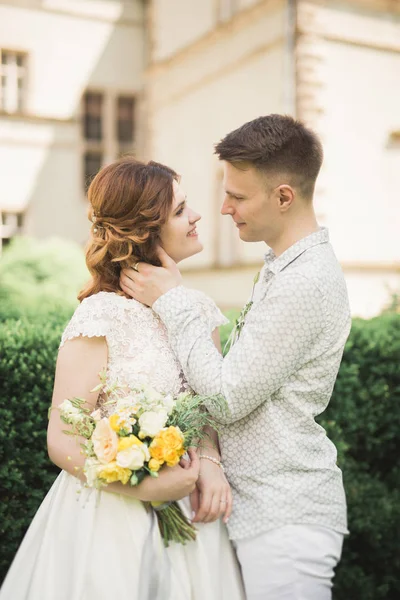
92 130
13 71
11 224
93 164
125 119
108 130
93 118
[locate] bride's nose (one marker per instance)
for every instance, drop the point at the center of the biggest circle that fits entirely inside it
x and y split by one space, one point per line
194 217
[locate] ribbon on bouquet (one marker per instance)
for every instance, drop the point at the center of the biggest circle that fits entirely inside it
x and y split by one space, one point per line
155 568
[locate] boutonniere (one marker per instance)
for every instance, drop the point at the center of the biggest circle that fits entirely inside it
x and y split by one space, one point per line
239 323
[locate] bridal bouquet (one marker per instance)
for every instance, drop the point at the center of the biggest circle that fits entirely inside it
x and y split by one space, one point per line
145 432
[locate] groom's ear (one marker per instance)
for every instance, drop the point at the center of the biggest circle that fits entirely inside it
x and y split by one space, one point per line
286 195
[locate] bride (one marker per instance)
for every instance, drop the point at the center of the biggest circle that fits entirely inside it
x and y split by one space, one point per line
85 544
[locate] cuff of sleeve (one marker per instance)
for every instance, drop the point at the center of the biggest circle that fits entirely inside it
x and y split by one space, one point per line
172 303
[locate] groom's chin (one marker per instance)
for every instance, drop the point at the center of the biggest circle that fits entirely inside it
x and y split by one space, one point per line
245 236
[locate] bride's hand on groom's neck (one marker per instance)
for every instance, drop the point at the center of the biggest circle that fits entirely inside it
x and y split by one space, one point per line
147 283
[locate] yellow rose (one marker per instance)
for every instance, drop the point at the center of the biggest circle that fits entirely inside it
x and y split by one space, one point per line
171 457
172 438
112 472
127 442
157 450
105 441
154 465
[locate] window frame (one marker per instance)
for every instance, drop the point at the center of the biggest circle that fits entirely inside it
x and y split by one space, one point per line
108 146
13 96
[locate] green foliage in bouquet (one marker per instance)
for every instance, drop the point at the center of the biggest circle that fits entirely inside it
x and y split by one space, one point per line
192 419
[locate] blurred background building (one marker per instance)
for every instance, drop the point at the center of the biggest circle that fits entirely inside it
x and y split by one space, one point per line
84 81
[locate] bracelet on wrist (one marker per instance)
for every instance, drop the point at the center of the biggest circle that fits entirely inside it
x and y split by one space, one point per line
214 460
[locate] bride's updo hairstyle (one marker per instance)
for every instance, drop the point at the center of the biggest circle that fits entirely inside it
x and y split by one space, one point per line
129 202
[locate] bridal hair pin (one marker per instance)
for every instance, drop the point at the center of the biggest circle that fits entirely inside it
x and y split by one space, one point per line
94 221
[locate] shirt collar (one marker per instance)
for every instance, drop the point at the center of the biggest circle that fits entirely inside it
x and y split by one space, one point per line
276 265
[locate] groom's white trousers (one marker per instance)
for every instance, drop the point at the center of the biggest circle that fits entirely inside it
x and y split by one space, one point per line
294 562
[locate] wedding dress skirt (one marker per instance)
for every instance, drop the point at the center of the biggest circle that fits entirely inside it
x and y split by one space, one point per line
85 544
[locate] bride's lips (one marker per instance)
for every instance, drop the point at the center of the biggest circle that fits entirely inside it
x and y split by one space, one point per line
193 233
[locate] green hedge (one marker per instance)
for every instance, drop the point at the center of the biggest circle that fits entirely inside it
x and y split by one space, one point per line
28 353
39 278
362 419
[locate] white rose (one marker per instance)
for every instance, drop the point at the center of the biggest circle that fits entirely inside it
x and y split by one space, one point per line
127 403
133 458
169 403
151 422
91 469
70 412
151 394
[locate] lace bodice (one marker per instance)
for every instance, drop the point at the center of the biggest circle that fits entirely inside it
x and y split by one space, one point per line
138 348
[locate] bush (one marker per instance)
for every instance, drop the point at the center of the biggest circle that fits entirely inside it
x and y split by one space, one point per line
363 419
40 278
27 360
39 281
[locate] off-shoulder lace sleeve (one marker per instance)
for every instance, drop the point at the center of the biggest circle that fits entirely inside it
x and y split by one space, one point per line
90 319
209 310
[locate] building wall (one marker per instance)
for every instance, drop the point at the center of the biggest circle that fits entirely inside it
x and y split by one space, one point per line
70 46
349 90
233 74
177 23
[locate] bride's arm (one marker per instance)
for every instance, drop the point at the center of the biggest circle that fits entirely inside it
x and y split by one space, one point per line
212 498
79 363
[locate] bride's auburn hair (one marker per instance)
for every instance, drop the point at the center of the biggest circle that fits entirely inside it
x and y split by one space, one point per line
129 202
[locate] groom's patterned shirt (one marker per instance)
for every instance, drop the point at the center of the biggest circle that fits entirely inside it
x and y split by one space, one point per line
276 378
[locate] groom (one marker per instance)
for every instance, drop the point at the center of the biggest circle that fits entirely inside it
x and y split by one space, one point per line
289 513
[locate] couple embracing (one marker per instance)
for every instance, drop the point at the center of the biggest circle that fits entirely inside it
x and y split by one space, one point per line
266 495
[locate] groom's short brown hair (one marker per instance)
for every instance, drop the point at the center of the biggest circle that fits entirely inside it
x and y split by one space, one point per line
276 144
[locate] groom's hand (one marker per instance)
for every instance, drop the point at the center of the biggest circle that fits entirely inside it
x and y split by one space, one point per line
147 283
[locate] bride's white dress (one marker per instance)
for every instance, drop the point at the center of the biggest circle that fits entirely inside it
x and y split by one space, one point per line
85 544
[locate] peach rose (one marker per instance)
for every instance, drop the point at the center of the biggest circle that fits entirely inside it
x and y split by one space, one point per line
105 441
